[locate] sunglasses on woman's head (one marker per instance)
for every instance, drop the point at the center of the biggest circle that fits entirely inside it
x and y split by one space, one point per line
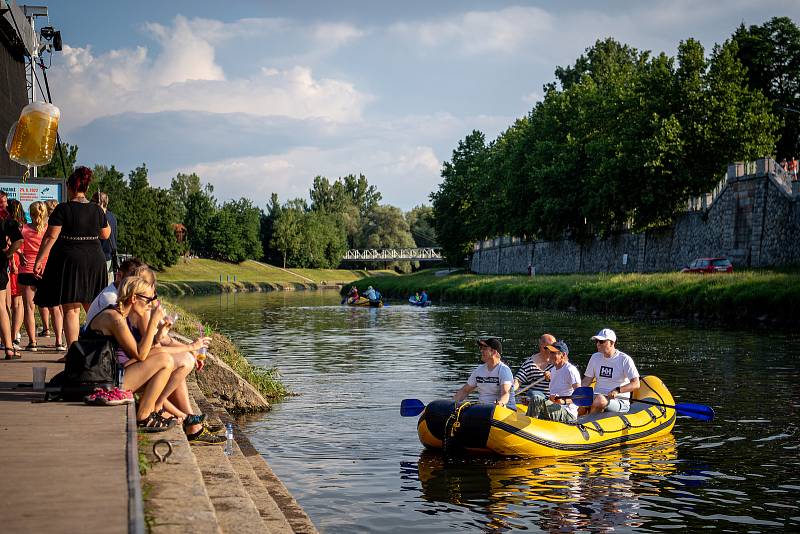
146 298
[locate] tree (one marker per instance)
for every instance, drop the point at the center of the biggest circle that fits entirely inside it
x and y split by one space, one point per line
456 204
771 55
181 187
55 169
234 233
420 224
288 234
201 208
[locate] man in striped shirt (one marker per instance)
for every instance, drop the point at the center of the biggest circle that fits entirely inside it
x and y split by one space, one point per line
536 369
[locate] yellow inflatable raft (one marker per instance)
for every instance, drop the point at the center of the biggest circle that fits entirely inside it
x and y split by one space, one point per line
487 428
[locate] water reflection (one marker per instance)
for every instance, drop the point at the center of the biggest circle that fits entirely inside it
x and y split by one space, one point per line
338 444
602 492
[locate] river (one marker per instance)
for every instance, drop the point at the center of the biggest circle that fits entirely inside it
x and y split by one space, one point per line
355 465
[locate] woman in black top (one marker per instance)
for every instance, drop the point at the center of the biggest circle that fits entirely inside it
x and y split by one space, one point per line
76 266
8 229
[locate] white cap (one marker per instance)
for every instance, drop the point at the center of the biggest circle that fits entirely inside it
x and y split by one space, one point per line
605 333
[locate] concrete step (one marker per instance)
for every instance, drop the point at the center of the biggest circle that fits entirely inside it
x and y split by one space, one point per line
176 499
271 514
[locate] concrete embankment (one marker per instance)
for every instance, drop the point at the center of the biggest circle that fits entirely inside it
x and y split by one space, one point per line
748 298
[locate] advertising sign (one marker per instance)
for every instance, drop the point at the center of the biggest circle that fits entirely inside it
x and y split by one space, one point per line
33 189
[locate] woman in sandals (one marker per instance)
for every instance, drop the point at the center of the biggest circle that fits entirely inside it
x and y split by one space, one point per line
146 371
174 399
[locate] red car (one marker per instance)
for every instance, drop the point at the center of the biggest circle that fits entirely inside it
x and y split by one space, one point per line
709 265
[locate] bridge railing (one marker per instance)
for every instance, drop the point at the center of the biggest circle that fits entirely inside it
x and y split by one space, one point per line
389 254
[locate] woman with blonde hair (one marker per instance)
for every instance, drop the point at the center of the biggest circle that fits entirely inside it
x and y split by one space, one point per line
32 234
146 370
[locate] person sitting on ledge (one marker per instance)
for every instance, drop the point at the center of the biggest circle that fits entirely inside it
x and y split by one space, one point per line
564 379
493 380
615 374
145 370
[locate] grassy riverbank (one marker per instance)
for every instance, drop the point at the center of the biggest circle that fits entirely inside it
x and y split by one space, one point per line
266 381
202 276
746 297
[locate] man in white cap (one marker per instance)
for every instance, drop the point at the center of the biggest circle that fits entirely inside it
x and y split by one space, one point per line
493 379
615 374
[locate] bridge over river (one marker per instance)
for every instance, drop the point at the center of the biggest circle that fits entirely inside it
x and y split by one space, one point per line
429 254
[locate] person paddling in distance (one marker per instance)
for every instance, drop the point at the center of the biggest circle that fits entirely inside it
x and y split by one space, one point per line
536 369
615 374
493 380
564 381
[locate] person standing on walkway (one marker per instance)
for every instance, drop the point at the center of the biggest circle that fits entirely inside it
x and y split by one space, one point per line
615 374
76 266
493 380
16 213
32 235
109 245
9 233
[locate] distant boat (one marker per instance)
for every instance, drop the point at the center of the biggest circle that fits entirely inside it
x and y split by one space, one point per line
414 302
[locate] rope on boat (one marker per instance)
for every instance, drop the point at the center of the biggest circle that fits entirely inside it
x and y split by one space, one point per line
451 427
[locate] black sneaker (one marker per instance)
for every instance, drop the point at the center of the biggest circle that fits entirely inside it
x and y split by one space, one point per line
204 437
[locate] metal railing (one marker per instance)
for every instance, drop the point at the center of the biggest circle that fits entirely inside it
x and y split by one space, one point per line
390 254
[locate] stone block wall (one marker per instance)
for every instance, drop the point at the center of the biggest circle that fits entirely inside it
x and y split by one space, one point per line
754 221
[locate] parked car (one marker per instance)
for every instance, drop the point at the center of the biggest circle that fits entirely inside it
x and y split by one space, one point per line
709 265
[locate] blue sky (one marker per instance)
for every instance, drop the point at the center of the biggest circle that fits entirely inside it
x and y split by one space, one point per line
261 97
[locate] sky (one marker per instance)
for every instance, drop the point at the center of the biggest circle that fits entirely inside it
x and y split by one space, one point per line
259 97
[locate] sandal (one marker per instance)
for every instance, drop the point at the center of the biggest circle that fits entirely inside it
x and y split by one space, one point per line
193 419
11 354
32 347
155 423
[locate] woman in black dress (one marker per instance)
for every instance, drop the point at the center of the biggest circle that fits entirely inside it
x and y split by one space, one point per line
76 266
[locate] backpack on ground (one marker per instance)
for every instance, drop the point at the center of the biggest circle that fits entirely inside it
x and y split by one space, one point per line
91 363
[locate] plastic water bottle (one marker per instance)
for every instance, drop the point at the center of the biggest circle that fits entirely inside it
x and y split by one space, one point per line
229 442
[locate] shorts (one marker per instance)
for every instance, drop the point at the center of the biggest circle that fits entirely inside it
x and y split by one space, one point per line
28 279
15 292
619 405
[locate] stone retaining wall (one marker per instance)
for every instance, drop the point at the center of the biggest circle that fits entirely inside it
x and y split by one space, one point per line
754 220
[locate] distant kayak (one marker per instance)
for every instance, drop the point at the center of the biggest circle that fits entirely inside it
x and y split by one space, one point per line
415 302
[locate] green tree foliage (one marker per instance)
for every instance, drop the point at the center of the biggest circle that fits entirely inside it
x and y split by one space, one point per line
420 224
181 187
386 227
349 199
457 206
201 207
771 54
233 234
55 169
288 231
621 140
146 223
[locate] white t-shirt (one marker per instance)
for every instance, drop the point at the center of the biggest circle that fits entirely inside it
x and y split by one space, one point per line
489 382
612 372
106 298
561 381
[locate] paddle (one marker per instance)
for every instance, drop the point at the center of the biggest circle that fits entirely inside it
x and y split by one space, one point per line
414 407
696 411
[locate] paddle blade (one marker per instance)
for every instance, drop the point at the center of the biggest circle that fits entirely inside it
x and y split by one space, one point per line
583 396
697 411
411 407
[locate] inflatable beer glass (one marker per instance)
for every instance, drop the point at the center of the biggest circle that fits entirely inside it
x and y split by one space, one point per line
32 139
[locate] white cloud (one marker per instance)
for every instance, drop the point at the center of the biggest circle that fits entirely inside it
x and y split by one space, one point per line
184 75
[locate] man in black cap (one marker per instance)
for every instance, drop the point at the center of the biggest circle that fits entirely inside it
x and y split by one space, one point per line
564 379
493 380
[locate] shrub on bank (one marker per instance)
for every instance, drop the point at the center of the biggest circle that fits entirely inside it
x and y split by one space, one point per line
265 380
749 296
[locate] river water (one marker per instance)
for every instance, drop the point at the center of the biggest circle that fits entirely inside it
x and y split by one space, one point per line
355 465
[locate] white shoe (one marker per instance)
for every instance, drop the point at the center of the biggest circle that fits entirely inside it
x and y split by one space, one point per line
62 346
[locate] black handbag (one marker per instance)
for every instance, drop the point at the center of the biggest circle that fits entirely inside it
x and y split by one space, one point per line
91 363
